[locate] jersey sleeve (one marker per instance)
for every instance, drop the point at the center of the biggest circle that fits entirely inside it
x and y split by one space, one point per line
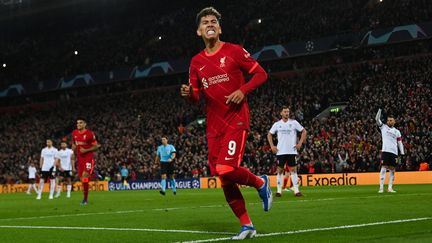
244 59
273 129
173 150
298 126
250 66
92 138
57 155
194 82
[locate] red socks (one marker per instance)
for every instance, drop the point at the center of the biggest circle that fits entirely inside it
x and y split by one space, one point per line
85 183
237 203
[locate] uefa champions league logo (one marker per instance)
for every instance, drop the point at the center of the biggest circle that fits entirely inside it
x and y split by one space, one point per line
195 184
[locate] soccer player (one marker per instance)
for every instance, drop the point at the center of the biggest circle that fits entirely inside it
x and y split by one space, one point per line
47 165
32 178
166 154
287 148
65 168
84 145
217 73
391 141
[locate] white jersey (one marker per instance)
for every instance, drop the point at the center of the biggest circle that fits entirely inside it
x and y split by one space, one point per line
286 135
48 155
390 138
31 172
65 155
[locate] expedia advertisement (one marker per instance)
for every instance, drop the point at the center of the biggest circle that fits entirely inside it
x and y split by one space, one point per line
153 185
342 179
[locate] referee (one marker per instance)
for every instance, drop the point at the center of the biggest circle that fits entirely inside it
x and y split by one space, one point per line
166 154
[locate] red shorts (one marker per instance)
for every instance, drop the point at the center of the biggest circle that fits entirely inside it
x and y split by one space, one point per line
227 149
85 166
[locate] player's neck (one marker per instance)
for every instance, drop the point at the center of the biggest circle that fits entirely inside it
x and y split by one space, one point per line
213 45
285 119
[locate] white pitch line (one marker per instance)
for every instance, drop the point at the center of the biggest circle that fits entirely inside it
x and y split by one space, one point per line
203 206
320 229
111 229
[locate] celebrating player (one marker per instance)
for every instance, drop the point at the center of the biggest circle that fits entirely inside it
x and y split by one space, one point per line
47 165
391 140
166 154
65 167
84 145
218 72
287 148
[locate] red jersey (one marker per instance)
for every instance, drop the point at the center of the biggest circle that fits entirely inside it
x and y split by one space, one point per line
217 75
85 139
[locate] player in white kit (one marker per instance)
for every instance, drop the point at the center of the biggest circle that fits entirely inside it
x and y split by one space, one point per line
391 141
287 147
32 178
47 167
65 168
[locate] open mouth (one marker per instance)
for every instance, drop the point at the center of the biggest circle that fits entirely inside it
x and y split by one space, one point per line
211 32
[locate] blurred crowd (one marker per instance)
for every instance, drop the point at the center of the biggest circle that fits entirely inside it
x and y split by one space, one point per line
41 45
129 125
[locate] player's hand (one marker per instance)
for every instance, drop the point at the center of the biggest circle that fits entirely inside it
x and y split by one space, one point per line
83 150
274 149
298 146
235 97
185 90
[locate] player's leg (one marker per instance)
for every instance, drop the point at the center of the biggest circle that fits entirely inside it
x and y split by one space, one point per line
392 170
34 186
292 167
85 170
279 174
384 167
171 172
295 180
52 177
30 186
42 184
228 167
59 180
237 203
164 171
69 185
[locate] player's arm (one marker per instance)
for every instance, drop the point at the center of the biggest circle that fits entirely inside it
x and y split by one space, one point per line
93 148
302 139
270 140
41 161
192 89
251 67
400 144
157 159
173 156
73 162
378 118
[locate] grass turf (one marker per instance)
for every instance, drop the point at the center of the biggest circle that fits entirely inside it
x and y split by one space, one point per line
207 212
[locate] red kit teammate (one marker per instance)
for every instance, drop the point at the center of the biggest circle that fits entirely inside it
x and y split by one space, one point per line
218 73
84 144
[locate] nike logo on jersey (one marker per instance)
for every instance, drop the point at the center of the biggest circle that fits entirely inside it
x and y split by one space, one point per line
201 68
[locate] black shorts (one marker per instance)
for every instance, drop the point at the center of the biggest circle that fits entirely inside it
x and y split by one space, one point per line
388 159
289 159
65 174
32 180
48 174
167 168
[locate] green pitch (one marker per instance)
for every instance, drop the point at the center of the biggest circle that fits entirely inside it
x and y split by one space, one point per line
324 214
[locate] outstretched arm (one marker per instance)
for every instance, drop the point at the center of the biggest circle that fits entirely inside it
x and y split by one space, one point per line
378 118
